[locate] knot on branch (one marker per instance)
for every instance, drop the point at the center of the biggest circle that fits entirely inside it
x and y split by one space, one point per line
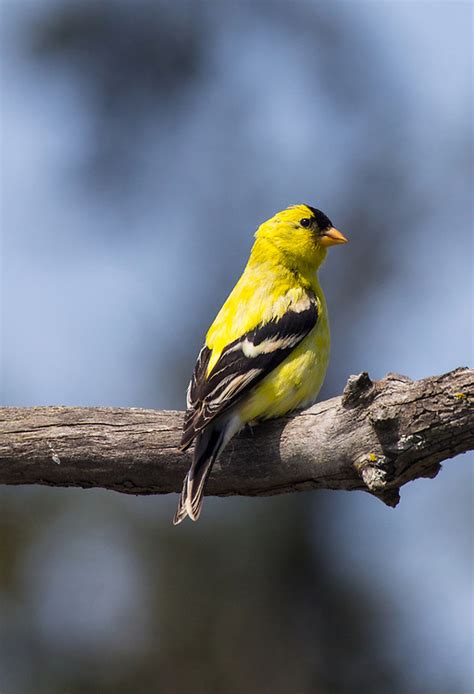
377 473
357 388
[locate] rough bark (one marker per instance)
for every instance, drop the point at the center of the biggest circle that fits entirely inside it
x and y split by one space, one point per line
376 437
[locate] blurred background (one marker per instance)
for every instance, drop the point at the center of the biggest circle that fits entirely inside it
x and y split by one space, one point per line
143 141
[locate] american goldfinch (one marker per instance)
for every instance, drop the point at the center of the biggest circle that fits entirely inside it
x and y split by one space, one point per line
267 351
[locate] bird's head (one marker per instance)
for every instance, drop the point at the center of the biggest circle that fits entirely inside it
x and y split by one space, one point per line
300 234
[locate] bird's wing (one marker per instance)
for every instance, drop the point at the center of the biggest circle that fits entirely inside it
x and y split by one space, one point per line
242 365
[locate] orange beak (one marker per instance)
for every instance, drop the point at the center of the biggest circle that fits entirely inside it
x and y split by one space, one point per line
331 237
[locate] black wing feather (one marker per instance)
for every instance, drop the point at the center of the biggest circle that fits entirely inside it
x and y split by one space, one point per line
241 366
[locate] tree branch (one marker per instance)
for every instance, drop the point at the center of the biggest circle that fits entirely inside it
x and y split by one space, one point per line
376 437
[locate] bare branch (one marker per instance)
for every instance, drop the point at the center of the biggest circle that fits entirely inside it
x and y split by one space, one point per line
376 437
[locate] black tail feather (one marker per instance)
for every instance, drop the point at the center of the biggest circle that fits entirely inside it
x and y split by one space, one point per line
208 447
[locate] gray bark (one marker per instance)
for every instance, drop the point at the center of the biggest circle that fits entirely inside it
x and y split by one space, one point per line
376 437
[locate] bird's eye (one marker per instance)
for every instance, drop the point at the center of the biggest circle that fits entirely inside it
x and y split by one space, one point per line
305 222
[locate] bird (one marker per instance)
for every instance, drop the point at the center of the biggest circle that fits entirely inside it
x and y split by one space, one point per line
267 351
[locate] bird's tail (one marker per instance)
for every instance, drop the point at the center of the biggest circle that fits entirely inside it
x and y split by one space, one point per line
208 446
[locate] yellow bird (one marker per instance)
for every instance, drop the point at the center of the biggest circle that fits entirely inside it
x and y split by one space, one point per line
267 351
